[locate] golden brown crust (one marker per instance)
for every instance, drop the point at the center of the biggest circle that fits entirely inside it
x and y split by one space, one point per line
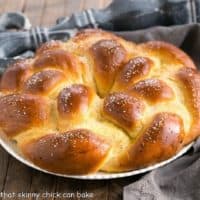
190 79
52 45
15 75
65 104
74 101
20 112
60 59
169 51
74 152
132 71
161 140
108 57
44 81
153 90
123 109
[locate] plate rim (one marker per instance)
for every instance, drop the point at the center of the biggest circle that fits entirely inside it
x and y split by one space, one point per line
96 176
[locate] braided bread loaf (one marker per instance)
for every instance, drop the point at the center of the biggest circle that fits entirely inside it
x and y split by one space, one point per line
100 103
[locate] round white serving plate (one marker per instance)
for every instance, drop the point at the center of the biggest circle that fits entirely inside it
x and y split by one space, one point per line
10 147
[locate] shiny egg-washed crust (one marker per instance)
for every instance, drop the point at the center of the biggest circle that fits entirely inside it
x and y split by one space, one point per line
100 103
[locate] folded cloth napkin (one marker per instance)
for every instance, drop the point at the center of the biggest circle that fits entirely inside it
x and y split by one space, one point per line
179 180
176 181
